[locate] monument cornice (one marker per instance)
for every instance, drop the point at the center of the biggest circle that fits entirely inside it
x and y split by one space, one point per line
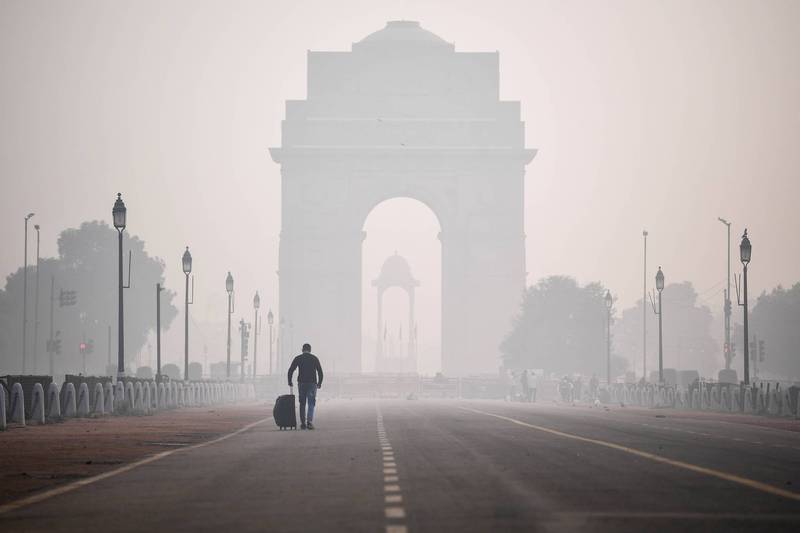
284 154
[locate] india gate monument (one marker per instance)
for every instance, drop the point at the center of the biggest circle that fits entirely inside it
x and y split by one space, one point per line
403 114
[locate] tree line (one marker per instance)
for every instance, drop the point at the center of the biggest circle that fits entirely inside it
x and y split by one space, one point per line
86 266
561 328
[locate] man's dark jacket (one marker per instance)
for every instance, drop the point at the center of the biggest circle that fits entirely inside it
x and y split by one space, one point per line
309 369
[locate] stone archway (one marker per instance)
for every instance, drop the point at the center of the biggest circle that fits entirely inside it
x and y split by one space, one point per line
403 115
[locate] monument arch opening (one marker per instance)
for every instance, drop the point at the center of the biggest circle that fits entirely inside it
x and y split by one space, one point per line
401 288
403 114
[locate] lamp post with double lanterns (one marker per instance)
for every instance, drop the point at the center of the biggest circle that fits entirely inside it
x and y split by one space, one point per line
229 288
186 262
120 215
745 252
659 288
609 302
270 320
256 305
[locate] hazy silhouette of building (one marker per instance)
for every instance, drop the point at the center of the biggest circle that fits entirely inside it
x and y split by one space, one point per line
403 115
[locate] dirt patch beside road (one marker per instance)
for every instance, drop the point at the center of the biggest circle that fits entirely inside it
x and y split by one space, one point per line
34 458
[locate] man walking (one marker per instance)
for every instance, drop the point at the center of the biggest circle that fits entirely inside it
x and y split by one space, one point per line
309 379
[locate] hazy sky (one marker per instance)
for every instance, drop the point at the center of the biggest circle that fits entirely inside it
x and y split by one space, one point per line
658 115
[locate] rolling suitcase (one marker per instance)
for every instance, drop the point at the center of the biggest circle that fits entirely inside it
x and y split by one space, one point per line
284 412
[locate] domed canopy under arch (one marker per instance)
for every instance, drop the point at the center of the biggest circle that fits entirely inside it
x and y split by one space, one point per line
395 272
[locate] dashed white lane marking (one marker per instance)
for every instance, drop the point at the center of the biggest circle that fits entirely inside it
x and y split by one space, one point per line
46 495
751 483
394 511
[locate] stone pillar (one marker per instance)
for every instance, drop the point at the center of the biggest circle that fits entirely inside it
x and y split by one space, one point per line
320 292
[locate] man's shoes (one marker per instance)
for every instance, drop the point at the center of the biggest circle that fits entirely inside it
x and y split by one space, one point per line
303 426
310 425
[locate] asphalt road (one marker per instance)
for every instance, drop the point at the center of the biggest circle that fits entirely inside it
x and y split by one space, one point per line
453 466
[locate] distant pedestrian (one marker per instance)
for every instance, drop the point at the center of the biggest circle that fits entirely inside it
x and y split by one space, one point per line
309 379
526 387
565 388
578 388
532 382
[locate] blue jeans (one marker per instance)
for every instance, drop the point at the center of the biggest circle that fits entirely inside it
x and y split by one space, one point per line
308 393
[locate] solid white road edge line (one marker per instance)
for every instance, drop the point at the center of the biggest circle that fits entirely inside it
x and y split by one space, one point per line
751 483
46 495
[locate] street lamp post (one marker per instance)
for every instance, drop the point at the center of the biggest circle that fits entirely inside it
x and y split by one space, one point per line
745 251
644 310
187 269
120 214
25 298
256 305
229 288
159 288
270 320
659 288
244 328
727 303
36 307
609 303
50 342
